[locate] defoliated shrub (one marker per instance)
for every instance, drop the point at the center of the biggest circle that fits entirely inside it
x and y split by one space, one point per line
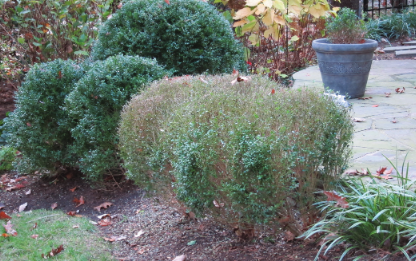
39 127
188 36
245 147
95 105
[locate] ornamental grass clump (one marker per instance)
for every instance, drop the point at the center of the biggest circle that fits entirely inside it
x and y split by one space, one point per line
95 105
187 36
346 28
378 215
235 151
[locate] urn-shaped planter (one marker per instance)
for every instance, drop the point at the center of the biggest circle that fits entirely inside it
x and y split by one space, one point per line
345 67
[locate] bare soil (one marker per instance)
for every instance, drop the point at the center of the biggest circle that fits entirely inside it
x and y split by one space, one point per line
151 229
7 90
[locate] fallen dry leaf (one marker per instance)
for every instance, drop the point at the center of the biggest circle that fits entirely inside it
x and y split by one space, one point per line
115 238
103 205
35 226
363 172
3 215
218 205
341 201
71 213
180 258
34 236
73 189
273 91
386 177
202 80
22 207
364 98
104 222
54 252
9 228
240 79
54 205
75 226
28 192
358 119
5 235
398 90
289 236
79 201
192 215
388 172
17 186
141 232
380 171
235 72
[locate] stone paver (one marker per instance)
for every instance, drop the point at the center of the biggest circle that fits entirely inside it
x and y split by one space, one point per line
390 129
409 53
398 48
411 43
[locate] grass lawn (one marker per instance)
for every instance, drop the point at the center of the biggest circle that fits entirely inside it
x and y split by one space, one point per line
53 228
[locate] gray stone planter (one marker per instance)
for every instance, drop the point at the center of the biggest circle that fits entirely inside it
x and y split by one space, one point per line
345 67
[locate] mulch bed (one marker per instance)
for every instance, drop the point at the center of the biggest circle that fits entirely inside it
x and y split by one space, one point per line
146 228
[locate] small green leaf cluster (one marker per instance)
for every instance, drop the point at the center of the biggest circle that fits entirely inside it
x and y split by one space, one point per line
234 151
345 28
380 215
7 156
67 113
188 36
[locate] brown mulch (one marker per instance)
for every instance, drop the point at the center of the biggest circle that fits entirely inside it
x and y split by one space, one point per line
7 90
152 229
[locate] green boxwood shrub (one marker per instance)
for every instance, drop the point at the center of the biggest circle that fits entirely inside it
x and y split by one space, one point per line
95 105
39 127
245 145
7 156
188 36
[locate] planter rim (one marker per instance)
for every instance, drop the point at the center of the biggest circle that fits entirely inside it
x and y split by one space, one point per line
324 46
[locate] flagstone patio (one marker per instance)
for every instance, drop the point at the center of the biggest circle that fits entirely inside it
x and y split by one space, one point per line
389 129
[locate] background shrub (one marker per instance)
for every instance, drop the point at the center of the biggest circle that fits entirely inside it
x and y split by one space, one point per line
189 36
392 26
246 145
39 127
47 29
95 105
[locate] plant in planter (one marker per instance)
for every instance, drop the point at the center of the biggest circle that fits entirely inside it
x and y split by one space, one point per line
345 57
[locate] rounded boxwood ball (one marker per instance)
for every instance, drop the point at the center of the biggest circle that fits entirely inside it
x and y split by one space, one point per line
96 102
188 36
